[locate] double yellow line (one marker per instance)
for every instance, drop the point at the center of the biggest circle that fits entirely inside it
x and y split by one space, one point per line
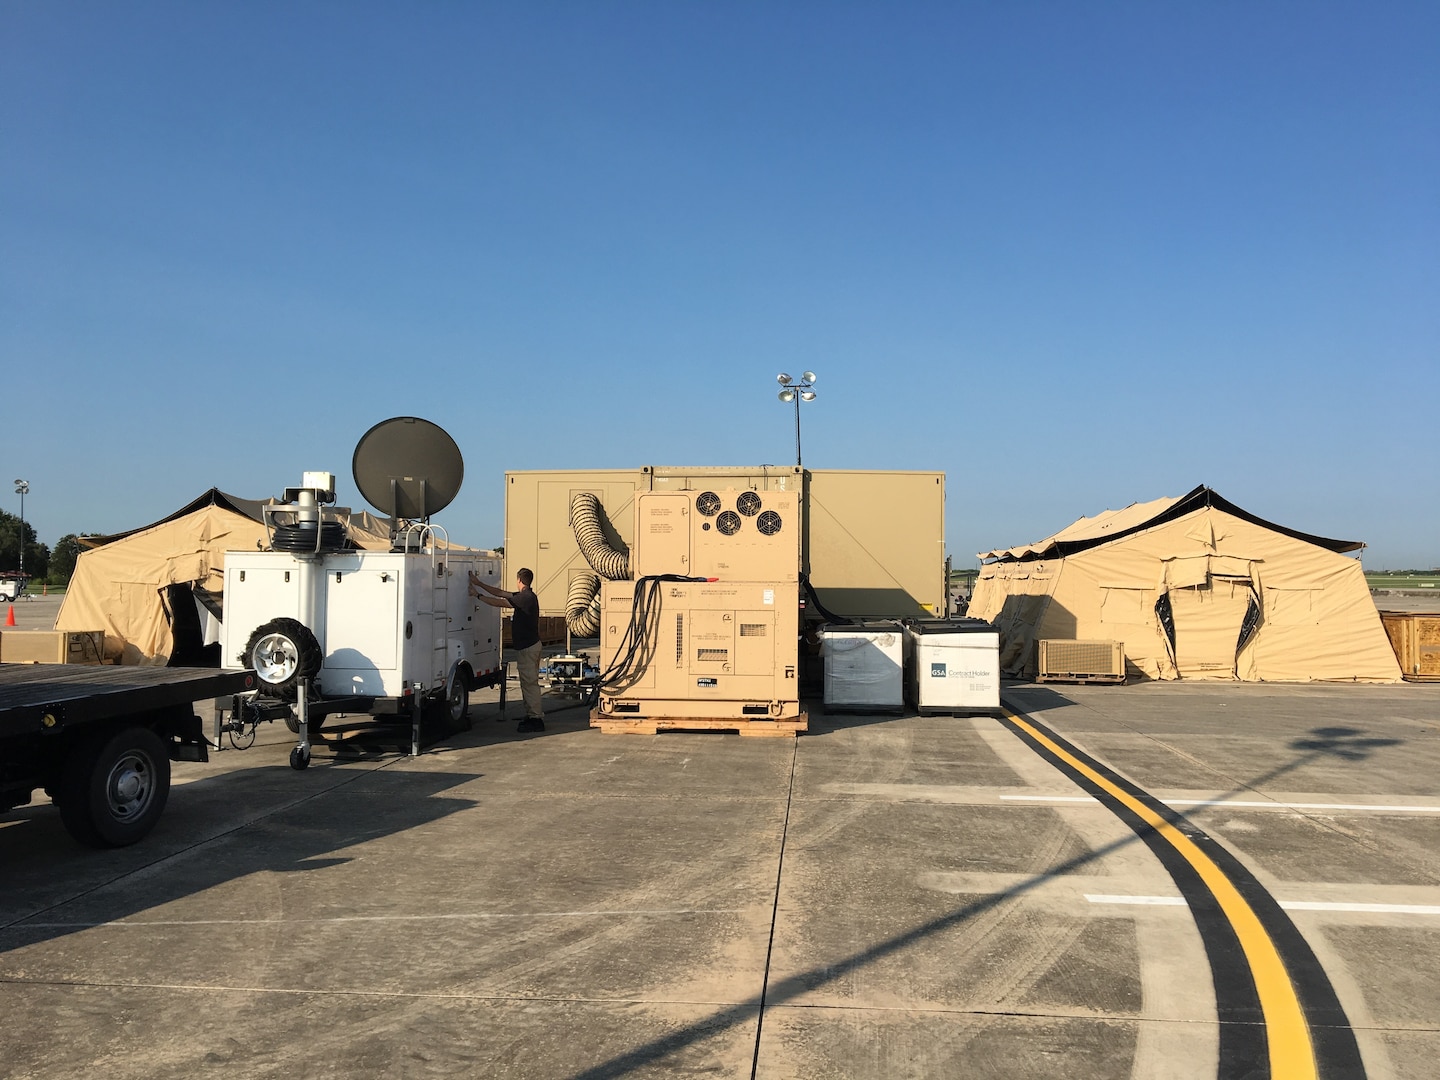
1287 1034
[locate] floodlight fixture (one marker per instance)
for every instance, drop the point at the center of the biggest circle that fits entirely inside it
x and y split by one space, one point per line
797 390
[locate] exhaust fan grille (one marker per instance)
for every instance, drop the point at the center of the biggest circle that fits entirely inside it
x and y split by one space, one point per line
768 523
728 523
748 503
707 503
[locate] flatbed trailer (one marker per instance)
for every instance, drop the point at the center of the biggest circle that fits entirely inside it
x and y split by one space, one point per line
99 740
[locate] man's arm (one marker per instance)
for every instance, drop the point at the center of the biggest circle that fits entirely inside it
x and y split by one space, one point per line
476 583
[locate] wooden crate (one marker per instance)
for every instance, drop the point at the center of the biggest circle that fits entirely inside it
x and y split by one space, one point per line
1415 637
651 725
552 630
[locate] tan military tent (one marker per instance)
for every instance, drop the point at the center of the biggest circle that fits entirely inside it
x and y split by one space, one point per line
1194 588
119 584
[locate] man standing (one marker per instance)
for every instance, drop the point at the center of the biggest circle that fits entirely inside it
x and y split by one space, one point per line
524 639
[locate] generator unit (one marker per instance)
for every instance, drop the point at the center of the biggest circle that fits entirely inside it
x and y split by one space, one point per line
393 634
707 627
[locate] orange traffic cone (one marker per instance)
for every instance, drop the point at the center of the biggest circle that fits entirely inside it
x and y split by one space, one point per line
10 617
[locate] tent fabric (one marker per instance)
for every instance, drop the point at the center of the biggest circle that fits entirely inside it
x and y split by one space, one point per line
117 588
250 508
1113 524
118 584
1218 568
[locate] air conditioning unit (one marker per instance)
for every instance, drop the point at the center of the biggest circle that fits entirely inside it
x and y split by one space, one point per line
52 647
1081 661
706 633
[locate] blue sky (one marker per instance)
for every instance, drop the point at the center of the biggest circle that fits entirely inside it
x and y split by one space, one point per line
1075 255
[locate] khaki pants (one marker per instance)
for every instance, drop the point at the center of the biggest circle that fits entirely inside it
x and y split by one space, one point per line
527 663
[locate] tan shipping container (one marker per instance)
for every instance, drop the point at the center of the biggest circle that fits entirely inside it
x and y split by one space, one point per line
873 541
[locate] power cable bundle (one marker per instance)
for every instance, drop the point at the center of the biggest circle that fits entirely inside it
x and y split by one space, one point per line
637 646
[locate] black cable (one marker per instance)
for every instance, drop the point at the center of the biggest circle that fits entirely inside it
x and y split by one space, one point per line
830 616
636 648
302 539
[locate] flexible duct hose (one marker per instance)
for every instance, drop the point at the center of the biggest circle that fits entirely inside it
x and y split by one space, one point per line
582 606
585 520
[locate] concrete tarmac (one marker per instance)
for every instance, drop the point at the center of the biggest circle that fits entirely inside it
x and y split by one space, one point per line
886 896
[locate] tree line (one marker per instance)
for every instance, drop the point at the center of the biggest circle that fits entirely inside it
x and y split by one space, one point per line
51 565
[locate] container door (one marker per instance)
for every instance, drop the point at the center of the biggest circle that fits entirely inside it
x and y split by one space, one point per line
361 633
662 535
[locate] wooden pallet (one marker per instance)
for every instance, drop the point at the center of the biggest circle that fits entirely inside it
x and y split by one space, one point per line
787 728
1077 677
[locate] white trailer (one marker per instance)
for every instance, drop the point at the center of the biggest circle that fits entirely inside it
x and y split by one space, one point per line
329 629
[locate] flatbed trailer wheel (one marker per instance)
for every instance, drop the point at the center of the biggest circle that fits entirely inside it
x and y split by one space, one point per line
113 790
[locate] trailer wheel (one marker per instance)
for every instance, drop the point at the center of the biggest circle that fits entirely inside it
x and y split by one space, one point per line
112 791
282 652
458 703
293 721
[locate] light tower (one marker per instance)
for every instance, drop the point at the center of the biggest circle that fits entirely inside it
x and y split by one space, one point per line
797 390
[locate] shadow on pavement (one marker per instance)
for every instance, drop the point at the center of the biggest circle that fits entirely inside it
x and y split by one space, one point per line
203 843
1347 744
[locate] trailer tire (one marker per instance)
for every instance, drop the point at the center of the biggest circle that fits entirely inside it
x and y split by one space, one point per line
293 722
112 791
457 703
282 652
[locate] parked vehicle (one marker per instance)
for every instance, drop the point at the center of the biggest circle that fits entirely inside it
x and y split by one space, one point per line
99 740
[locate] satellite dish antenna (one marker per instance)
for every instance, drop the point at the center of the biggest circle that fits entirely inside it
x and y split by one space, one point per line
407 467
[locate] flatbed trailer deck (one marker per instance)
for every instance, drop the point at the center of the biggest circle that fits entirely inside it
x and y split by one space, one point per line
99 740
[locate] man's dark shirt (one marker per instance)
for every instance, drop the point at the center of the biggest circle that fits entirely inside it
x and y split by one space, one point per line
525 620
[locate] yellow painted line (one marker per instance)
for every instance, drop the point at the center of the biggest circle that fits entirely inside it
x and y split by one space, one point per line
1292 1057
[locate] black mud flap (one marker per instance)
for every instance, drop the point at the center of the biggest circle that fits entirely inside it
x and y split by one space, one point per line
187 738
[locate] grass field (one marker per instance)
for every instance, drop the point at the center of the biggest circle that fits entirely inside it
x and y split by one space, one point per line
1403 579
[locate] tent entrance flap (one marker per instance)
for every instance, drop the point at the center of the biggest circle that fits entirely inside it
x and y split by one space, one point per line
1208 619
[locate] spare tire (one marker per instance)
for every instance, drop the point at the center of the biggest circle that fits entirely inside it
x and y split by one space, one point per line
282 652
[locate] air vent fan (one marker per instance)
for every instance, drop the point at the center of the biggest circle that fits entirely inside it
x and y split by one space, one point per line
707 504
748 503
728 523
768 523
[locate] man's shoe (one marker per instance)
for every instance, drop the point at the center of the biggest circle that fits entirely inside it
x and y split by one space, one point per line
530 723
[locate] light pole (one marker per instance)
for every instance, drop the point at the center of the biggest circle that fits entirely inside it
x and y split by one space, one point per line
797 390
21 487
